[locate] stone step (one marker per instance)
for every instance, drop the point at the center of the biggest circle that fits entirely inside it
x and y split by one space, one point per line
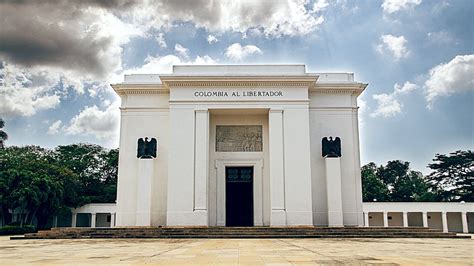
251 236
239 232
244 230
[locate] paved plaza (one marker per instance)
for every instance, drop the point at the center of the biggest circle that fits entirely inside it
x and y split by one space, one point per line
238 251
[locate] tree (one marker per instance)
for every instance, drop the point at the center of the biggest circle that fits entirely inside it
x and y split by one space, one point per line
393 182
3 134
40 182
96 169
373 189
453 176
30 183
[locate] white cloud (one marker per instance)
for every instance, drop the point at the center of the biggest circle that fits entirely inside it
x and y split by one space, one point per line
92 121
164 64
161 40
455 76
160 65
24 93
406 88
441 37
395 45
61 51
320 5
238 52
54 128
204 60
182 51
392 6
388 105
273 18
212 39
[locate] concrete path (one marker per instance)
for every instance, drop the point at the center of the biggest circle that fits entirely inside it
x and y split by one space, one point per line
238 251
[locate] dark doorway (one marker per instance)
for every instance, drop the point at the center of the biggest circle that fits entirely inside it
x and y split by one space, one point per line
239 196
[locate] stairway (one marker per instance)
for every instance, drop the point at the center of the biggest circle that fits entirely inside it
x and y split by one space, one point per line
240 232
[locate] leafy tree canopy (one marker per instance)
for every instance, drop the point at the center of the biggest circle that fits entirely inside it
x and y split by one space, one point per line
452 177
40 182
393 182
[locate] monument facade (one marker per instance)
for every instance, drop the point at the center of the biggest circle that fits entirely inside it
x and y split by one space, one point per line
239 145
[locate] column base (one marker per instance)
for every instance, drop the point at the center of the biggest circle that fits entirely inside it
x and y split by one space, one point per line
143 219
299 218
335 219
278 218
195 218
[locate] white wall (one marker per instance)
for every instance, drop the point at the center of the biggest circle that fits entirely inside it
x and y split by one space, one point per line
142 116
336 115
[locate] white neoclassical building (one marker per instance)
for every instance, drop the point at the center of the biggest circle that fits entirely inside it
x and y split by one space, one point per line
238 145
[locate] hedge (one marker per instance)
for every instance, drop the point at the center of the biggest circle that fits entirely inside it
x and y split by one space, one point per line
17 230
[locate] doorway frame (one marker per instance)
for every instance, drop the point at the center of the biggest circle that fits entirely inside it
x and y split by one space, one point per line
257 165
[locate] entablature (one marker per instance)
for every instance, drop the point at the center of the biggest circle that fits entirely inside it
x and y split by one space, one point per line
127 89
339 88
239 81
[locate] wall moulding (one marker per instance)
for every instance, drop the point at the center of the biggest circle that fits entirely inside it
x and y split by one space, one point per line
248 81
126 89
353 88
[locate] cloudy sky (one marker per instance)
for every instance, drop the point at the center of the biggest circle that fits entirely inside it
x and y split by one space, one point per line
57 58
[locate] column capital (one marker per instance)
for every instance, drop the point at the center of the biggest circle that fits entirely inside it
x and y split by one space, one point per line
201 110
275 110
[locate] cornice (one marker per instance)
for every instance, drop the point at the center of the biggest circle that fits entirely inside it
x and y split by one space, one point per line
239 81
338 88
126 89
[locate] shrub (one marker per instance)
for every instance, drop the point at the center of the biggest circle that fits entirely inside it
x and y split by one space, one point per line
17 230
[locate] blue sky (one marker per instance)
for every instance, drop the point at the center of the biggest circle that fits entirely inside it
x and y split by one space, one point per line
57 60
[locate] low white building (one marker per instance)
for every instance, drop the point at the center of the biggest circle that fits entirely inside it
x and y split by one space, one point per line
239 145
446 216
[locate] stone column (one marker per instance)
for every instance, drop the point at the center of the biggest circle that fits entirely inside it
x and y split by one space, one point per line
444 221
366 219
112 219
385 219
93 219
144 186
277 170
405 219
297 157
74 219
333 190
425 219
201 165
465 228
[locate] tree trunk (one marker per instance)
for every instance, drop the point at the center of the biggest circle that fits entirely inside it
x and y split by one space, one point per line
32 216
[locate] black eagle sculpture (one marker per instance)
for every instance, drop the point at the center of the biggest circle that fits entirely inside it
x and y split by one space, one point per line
146 149
331 148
